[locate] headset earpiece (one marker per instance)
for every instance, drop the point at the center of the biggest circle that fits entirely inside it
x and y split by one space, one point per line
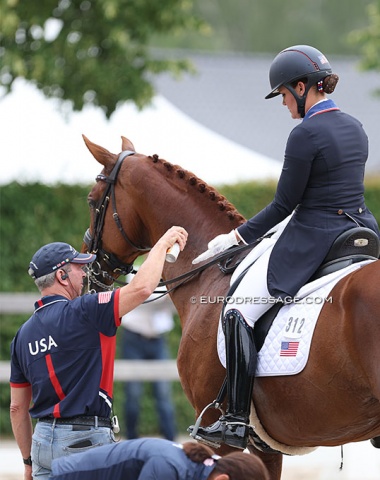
64 276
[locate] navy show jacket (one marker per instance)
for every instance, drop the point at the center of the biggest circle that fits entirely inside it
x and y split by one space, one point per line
322 182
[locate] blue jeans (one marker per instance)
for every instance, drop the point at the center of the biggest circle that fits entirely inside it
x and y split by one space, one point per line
51 441
137 347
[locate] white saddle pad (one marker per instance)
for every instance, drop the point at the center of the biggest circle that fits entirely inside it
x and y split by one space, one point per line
286 348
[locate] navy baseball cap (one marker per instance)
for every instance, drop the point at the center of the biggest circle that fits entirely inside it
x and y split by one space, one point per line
53 256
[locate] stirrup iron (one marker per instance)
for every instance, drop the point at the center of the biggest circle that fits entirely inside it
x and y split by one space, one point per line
215 404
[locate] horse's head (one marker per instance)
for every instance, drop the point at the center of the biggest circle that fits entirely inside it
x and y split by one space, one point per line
136 198
107 237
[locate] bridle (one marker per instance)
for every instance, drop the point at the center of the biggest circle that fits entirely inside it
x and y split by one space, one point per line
94 242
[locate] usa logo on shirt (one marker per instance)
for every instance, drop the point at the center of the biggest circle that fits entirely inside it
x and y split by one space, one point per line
104 297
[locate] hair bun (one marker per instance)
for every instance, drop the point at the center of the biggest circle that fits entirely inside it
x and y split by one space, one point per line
197 452
329 83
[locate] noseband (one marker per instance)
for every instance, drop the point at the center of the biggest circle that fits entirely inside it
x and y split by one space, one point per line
94 242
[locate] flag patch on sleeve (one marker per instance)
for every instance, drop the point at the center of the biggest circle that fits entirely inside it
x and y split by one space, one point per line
104 297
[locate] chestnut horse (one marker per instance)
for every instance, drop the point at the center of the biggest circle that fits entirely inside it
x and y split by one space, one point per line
334 400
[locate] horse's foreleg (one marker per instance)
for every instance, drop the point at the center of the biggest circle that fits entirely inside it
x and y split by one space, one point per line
273 462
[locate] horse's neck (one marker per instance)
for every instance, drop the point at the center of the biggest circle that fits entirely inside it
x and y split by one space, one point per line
164 198
203 218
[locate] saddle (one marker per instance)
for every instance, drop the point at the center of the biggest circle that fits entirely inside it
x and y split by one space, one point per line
352 246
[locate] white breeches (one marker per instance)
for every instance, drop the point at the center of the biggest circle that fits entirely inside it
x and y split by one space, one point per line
251 297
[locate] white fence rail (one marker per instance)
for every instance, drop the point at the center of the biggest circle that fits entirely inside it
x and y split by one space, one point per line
125 370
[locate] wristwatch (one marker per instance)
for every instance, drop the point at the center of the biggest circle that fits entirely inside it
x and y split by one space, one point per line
27 461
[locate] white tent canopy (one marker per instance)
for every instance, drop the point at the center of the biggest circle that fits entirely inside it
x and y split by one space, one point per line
39 145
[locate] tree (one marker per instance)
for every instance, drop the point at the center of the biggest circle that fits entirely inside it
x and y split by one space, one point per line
269 26
369 39
90 51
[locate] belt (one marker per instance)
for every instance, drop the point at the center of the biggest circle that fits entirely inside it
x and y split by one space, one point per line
80 420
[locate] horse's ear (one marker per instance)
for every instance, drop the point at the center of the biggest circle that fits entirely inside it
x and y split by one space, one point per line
127 144
102 155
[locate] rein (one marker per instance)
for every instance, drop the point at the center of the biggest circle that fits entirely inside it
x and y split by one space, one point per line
227 254
227 268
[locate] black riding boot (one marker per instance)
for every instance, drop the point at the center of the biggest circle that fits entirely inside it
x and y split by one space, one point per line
241 355
375 441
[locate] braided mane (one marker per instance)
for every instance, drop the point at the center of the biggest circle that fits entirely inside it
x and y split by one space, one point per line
221 202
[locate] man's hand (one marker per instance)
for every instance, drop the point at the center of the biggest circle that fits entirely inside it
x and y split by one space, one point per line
217 245
174 235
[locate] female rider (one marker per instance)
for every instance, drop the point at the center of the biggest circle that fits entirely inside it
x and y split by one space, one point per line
321 190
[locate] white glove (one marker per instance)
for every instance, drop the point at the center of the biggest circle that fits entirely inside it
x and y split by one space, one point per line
217 245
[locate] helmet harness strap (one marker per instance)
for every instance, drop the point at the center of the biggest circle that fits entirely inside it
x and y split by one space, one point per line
312 79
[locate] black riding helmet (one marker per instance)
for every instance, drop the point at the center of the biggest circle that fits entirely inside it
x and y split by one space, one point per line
296 63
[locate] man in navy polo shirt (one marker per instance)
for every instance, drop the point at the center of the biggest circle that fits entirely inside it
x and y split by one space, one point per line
62 358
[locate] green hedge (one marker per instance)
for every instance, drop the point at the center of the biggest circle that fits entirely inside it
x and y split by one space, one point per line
35 214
